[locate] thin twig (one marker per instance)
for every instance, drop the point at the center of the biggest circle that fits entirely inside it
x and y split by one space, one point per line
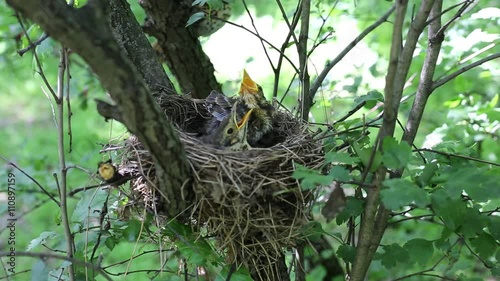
263 39
440 32
323 22
433 18
350 113
102 216
459 156
288 89
317 83
33 45
258 35
62 160
412 218
45 256
68 101
306 97
486 264
32 179
432 267
138 255
8 276
37 60
284 46
30 210
444 80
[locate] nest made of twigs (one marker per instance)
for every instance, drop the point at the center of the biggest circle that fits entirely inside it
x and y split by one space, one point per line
248 200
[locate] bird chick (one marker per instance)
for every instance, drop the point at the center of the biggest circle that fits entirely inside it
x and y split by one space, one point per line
232 132
253 98
108 172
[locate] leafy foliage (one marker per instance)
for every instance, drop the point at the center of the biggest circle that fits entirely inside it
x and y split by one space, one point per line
444 206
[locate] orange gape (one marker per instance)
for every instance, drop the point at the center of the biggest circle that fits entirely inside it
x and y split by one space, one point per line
250 111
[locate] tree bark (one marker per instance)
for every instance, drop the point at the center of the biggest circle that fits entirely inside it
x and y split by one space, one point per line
180 45
130 36
86 31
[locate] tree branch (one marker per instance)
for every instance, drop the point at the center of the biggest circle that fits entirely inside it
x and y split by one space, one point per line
63 184
372 229
424 88
317 83
166 20
51 196
44 256
284 46
393 98
459 156
307 99
130 36
365 247
87 33
32 45
452 76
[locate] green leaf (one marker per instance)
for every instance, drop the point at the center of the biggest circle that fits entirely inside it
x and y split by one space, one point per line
394 255
340 173
401 192
449 209
131 233
90 205
215 4
420 250
310 178
427 173
494 226
194 18
365 154
341 157
481 184
396 155
485 189
347 253
371 99
354 207
485 245
242 274
175 228
40 270
495 271
110 243
443 243
473 222
494 101
312 230
318 273
42 238
197 251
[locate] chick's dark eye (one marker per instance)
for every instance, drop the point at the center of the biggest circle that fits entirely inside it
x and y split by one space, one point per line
230 130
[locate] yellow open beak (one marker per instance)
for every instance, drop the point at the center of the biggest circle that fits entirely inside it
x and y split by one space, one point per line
245 118
248 85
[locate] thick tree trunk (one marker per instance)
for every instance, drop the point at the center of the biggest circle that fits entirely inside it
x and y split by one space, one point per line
180 45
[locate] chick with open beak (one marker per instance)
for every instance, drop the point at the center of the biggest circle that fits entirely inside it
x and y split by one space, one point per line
253 97
232 132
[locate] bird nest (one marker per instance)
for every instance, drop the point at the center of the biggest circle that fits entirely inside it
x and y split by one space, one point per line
248 200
